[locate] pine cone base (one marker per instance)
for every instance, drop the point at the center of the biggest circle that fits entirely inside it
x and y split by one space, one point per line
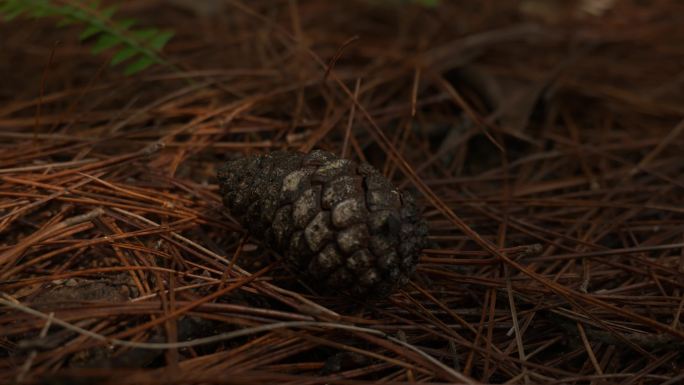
341 225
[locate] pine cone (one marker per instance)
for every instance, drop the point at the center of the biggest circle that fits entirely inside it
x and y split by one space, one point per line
342 225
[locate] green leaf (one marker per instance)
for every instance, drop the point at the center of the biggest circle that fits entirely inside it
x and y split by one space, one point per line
428 3
138 65
140 47
75 13
92 30
40 12
66 21
126 23
123 55
144 34
13 14
7 7
105 42
108 12
159 41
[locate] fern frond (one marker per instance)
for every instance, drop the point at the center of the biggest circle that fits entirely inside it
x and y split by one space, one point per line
139 48
424 3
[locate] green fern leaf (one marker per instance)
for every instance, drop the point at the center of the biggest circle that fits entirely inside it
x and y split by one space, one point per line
138 65
123 55
66 22
160 40
11 9
40 12
108 12
126 23
6 7
92 30
145 34
140 46
105 42
13 13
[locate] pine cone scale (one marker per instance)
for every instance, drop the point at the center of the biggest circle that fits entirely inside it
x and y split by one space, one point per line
343 226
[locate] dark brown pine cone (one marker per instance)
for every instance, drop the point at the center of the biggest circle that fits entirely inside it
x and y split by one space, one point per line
342 225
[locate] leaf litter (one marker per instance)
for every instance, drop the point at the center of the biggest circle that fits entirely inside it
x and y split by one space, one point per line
544 146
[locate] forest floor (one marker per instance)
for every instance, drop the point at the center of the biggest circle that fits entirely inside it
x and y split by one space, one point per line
543 140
